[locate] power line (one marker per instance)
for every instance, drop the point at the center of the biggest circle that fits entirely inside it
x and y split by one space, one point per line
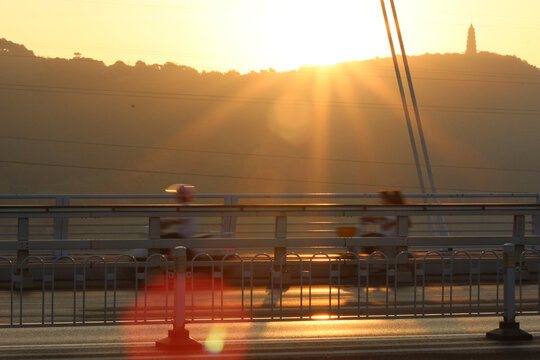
138 171
184 96
157 172
258 100
476 72
150 147
257 155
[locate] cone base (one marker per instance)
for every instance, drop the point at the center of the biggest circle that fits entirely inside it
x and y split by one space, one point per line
179 340
508 331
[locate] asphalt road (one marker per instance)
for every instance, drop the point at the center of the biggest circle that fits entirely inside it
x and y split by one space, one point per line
449 338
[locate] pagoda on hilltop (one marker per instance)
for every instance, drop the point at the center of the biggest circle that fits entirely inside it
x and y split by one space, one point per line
471 42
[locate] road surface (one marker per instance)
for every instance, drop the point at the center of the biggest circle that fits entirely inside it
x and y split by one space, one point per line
450 338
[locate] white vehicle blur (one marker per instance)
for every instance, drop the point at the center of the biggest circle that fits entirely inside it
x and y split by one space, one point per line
183 227
179 228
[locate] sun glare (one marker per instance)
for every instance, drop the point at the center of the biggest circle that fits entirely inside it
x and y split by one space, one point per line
323 317
302 32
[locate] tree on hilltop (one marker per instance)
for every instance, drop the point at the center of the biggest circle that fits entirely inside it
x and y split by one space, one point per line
10 48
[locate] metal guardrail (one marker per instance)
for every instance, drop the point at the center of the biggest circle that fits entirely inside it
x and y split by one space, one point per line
112 290
281 215
516 214
231 226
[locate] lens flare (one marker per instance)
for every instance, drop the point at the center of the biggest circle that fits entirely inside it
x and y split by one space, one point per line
215 341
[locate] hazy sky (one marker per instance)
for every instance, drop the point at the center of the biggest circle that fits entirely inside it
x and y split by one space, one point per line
259 34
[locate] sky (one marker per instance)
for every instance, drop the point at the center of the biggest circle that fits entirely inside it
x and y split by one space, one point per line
246 35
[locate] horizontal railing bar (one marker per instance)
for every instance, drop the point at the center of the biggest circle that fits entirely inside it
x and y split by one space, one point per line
31 234
109 225
74 233
121 224
266 195
258 224
93 244
31 226
269 242
330 231
90 233
296 210
333 231
270 232
316 223
336 223
467 231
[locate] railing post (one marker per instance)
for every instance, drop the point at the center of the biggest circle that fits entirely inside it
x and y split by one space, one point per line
403 234
61 224
403 226
154 233
178 339
536 220
281 234
509 328
228 222
536 224
519 232
23 237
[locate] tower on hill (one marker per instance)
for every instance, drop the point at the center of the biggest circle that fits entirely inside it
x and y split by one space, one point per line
471 42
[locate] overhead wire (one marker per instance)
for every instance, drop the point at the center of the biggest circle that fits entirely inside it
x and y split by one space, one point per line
159 172
257 100
261 155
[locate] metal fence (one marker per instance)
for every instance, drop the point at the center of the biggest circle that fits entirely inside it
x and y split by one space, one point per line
46 291
121 290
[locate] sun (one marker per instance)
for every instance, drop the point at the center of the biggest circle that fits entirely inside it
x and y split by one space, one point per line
302 32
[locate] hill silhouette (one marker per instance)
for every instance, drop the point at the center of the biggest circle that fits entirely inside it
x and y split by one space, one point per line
80 126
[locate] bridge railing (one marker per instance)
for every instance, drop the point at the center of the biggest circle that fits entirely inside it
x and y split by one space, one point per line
376 288
283 218
328 278
233 226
